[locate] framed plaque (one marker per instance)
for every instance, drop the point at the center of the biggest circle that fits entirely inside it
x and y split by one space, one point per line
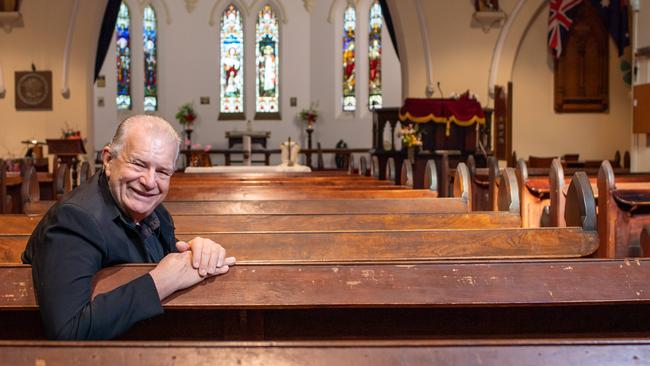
33 90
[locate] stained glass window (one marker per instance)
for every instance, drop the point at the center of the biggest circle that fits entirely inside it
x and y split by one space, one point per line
374 57
268 61
232 61
150 46
123 57
349 27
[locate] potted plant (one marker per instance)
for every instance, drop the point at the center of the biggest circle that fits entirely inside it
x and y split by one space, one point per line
186 117
310 115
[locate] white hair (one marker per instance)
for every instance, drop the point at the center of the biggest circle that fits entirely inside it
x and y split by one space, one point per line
150 123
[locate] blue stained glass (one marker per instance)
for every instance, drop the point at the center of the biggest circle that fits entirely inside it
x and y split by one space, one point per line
349 29
123 57
232 61
374 57
267 78
150 46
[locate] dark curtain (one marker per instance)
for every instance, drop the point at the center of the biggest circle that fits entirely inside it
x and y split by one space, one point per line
389 24
106 33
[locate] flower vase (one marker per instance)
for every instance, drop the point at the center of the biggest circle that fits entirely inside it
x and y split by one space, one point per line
188 134
310 124
411 151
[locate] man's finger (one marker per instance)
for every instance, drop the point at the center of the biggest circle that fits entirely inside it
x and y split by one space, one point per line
229 261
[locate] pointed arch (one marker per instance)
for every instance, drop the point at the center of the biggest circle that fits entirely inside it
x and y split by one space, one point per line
162 5
123 57
267 62
150 50
231 78
375 45
220 6
277 6
348 57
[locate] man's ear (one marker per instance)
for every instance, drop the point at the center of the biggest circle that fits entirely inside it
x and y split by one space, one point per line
106 159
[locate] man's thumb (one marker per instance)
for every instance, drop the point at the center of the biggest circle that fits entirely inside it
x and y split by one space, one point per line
182 246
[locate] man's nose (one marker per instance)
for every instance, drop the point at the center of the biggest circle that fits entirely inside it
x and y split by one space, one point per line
148 178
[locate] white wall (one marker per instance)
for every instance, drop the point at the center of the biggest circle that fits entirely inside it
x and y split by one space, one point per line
309 70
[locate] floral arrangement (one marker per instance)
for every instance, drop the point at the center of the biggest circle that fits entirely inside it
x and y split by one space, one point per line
186 115
309 114
411 135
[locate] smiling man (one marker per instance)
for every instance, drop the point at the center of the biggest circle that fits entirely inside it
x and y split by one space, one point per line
117 218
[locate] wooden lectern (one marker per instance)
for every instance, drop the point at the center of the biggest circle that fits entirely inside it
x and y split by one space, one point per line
67 151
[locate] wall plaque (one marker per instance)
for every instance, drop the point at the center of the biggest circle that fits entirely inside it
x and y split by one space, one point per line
33 90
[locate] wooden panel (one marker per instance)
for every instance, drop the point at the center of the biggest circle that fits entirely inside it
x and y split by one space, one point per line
457 284
641 109
582 71
601 352
288 207
381 246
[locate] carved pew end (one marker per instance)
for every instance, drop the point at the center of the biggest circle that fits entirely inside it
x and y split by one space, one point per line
374 167
391 170
462 187
580 203
406 176
508 193
431 176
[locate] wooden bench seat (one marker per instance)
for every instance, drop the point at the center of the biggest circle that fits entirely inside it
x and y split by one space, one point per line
236 193
499 299
417 352
23 224
381 246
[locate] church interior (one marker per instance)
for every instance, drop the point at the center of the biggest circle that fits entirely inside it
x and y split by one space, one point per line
404 181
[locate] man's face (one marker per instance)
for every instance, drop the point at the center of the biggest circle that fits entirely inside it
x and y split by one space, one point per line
138 177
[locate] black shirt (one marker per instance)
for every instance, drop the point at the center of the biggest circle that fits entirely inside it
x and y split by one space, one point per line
77 237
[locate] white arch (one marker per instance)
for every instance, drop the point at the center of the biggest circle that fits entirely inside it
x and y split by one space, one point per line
276 5
510 40
65 88
220 5
335 4
162 4
422 22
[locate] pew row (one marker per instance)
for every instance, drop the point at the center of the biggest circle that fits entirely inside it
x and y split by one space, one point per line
499 299
381 246
199 224
601 352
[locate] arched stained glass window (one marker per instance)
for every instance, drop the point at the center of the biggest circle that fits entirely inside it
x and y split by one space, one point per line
123 57
349 29
374 57
232 61
150 46
267 57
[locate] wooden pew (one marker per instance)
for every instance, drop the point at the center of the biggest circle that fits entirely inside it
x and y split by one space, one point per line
499 299
198 224
308 193
415 352
381 245
622 213
359 245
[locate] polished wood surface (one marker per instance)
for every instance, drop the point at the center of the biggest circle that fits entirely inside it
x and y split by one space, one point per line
504 352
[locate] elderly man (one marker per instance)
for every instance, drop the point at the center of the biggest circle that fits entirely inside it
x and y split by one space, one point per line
117 218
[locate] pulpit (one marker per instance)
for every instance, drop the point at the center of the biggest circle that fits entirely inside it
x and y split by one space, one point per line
450 128
67 151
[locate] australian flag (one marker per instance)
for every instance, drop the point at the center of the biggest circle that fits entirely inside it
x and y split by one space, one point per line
614 14
560 18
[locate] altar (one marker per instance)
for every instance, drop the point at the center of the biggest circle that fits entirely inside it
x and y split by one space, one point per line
247 139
